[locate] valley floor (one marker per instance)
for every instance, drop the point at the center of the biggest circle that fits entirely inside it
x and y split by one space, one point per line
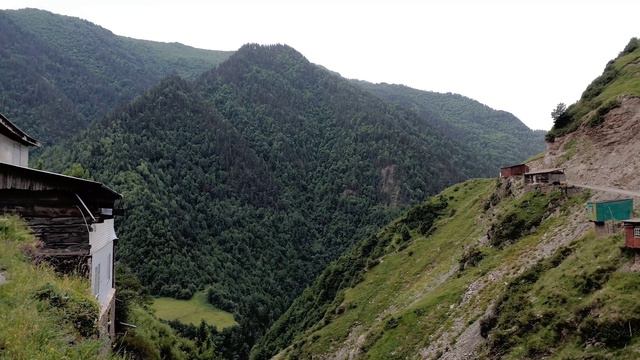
192 311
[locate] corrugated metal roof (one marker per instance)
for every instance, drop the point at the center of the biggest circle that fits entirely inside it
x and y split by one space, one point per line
632 221
10 130
609 201
546 171
51 179
512 166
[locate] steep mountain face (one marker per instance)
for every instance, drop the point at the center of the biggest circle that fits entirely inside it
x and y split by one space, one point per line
493 269
61 73
619 80
600 148
605 155
500 137
250 179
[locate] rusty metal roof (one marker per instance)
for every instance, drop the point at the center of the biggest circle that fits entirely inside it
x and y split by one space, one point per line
10 130
512 166
546 171
20 177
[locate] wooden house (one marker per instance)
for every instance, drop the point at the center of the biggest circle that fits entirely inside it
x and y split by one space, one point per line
513 170
607 215
612 210
71 217
632 233
545 177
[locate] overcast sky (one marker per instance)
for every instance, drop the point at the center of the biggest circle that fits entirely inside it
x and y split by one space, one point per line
520 56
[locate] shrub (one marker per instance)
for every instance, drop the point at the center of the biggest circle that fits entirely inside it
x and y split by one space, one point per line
612 331
598 117
423 216
633 44
470 258
391 324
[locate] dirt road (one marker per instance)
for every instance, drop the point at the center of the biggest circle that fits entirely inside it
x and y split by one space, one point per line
609 189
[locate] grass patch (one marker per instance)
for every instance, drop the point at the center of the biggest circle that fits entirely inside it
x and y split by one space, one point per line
570 150
535 157
193 311
42 315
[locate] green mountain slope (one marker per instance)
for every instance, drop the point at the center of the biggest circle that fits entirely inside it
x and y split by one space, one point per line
621 77
540 286
250 179
60 73
500 137
42 315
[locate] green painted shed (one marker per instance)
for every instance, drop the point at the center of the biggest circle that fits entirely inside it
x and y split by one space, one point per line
616 210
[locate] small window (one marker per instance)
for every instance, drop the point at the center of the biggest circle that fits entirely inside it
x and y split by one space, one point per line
109 265
636 232
96 280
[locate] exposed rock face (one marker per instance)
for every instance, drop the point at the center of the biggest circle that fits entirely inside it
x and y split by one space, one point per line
604 155
390 186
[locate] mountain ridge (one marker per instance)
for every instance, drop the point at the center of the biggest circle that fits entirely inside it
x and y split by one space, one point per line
61 73
501 137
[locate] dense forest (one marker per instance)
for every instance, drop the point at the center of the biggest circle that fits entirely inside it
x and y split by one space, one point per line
499 136
248 180
60 73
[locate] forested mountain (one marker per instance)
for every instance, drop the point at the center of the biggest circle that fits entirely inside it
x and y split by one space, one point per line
500 137
60 73
251 178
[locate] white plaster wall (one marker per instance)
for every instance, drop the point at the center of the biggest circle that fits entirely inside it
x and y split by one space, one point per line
12 152
101 240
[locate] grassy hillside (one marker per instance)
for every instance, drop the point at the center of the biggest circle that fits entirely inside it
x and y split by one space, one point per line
621 77
192 311
499 136
42 315
580 303
60 73
537 286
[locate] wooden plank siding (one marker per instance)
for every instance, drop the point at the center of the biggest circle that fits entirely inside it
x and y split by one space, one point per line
49 204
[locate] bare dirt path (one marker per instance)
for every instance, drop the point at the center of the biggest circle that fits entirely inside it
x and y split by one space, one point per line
608 189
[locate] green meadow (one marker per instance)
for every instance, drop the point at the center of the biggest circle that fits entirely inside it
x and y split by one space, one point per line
193 311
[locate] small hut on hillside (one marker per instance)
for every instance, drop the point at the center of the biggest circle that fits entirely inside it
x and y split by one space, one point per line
607 215
545 177
610 210
72 217
632 233
513 170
